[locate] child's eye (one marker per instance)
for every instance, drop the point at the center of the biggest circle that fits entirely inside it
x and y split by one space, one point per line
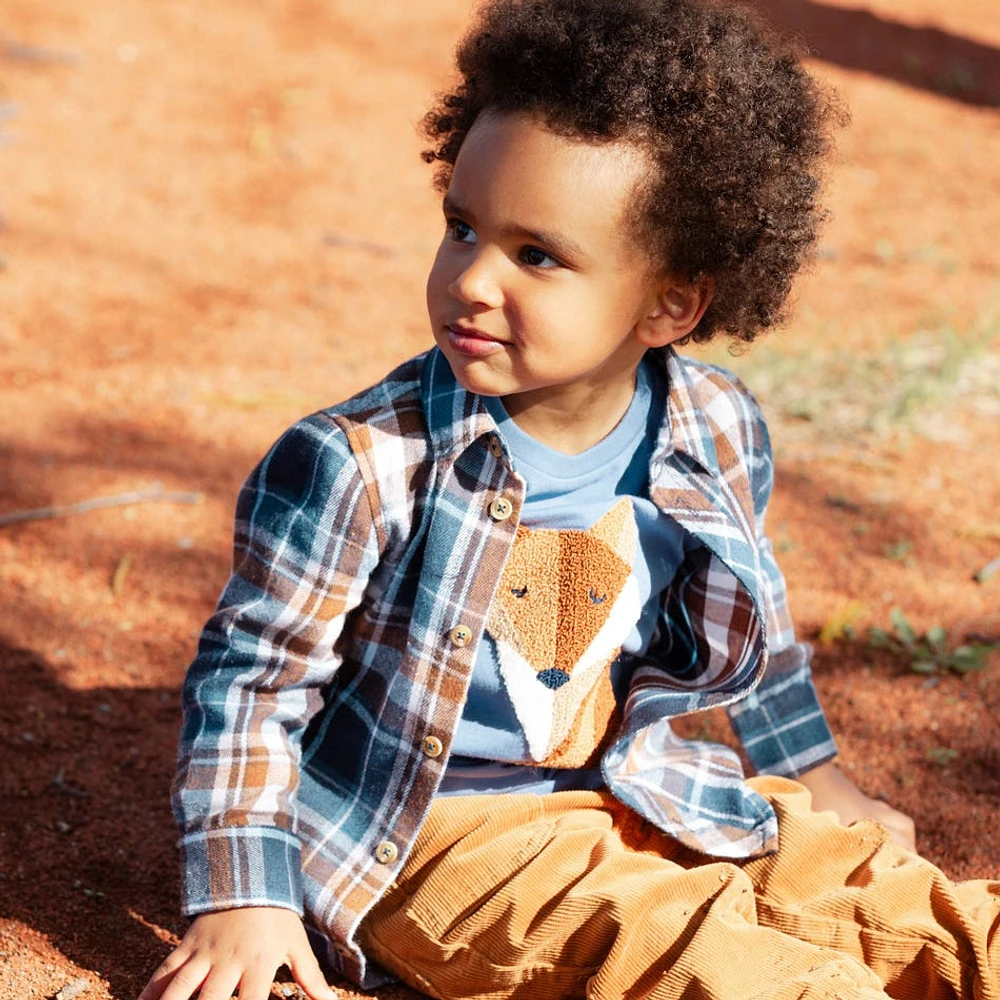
534 257
460 232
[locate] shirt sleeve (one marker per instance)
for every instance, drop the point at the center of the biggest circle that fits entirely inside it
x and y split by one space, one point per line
305 546
780 724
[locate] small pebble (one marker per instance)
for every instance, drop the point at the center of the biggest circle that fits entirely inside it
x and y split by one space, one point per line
73 989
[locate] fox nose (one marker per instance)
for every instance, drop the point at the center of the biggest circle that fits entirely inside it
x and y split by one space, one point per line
553 678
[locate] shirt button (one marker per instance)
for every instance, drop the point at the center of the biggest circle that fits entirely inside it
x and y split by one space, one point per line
386 852
496 448
501 508
460 635
431 746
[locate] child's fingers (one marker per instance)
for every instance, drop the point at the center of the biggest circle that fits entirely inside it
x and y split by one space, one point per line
178 971
900 826
220 984
255 984
308 975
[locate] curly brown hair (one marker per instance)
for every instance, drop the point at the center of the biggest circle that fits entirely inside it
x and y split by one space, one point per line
736 126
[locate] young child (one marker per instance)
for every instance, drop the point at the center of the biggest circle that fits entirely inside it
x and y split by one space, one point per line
427 732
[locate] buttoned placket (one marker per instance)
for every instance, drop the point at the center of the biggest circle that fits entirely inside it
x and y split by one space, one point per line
499 507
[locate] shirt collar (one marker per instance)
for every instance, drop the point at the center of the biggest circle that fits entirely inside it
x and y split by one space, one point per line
686 427
456 418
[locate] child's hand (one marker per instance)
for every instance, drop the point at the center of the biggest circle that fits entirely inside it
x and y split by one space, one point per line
238 950
832 789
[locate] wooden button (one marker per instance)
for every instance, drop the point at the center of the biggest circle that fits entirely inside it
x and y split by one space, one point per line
501 508
460 635
386 852
496 448
431 746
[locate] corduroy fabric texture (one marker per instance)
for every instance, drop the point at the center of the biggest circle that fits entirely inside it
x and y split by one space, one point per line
572 895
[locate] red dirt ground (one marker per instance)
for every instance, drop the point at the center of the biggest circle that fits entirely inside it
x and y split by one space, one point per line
216 220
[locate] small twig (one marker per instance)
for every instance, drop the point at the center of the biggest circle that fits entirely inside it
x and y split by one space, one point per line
117 500
60 784
38 55
989 570
341 241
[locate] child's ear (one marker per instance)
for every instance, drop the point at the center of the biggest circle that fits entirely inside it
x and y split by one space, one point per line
677 310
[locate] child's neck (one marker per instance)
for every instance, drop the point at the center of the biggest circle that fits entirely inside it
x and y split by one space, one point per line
570 423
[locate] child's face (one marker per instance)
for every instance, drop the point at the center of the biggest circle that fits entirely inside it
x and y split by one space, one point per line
539 285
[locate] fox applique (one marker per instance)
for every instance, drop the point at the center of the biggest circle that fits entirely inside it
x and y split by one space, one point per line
566 602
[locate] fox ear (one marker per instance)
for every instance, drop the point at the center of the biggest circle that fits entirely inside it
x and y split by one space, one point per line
617 530
677 310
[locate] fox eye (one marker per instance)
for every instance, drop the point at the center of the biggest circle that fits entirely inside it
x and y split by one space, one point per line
519 591
596 598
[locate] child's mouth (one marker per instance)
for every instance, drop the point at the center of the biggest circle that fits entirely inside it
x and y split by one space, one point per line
473 343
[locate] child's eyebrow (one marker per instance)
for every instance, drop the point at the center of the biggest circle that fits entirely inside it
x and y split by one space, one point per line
562 246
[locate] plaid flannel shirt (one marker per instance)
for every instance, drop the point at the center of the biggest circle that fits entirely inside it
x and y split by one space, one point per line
328 683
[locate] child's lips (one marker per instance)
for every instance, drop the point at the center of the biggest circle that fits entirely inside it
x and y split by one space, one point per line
472 342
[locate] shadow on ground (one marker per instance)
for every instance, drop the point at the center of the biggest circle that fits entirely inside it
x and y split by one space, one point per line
86 836
88 840
918 56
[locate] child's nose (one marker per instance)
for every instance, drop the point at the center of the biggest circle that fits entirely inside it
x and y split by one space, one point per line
478 283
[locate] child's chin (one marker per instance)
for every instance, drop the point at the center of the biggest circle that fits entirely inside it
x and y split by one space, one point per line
473 374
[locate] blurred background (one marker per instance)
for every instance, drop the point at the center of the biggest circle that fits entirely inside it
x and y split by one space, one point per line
214 219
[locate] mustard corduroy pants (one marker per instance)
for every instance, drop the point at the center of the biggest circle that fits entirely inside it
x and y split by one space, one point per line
572 895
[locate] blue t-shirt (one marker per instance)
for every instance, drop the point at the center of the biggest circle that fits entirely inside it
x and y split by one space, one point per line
492 751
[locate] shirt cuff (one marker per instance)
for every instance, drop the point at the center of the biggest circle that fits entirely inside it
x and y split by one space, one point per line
781 726
240 866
